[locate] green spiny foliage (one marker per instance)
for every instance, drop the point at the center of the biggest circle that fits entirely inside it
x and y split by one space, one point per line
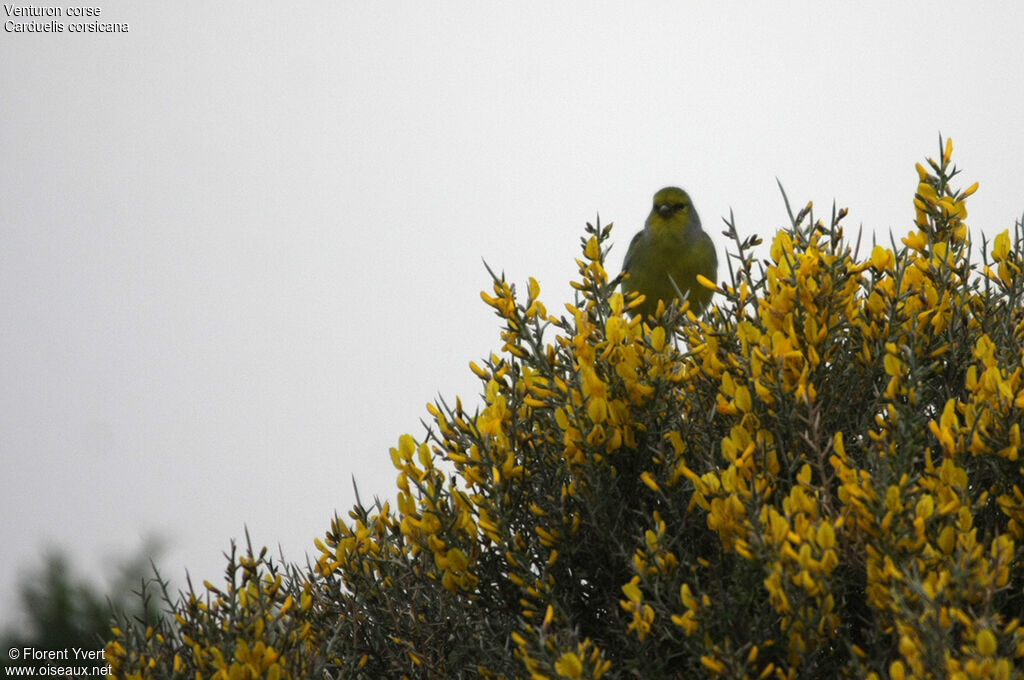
819 477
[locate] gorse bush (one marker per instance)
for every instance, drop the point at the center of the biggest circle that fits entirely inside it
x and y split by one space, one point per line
819 477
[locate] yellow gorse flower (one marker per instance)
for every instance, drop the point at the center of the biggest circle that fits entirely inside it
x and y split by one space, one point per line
818 475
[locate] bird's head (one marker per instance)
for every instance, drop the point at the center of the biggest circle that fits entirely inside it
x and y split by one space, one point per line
672 210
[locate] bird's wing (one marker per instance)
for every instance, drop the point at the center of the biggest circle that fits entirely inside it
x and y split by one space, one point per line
633 245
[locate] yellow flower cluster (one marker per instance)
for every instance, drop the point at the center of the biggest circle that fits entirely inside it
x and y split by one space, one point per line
257 617
582 661
819 477
917 534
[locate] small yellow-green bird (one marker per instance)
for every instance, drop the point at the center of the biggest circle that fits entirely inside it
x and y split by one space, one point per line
671 249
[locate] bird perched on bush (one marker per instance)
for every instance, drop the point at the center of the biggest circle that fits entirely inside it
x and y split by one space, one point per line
664 259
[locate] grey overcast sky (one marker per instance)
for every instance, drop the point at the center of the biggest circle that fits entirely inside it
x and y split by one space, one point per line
240 244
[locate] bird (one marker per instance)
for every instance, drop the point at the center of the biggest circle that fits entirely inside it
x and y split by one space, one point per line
667 255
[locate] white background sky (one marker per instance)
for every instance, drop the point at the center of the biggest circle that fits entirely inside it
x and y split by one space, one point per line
240 246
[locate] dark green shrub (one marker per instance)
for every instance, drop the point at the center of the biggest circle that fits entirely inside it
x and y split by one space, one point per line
818 478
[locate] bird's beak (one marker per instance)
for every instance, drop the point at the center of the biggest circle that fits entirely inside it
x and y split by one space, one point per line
664 210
